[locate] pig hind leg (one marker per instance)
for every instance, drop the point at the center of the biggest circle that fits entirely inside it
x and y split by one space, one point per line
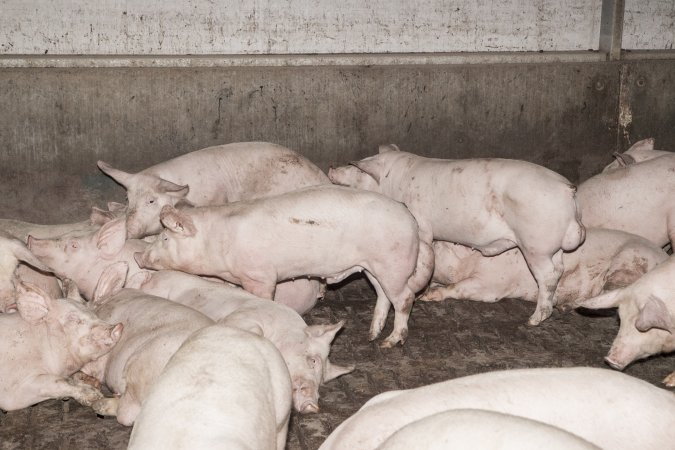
547 271
402 305
469 289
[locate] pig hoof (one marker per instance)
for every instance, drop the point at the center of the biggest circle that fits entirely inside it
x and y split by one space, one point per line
105 406
670 380
539 316
432 295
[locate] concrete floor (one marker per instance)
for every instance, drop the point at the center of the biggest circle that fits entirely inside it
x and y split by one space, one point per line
447 340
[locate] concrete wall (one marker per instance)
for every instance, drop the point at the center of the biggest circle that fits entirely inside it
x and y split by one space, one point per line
649 24
295 26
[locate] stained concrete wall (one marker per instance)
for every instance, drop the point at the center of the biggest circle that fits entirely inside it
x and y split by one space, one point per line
169 27
649 24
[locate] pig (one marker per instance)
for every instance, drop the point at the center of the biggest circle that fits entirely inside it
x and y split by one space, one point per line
491 205
224 388
640 151
323 231
608 259
83 257
154 329
304 348
212 176
12 253
608 409
647 314
476 428
638 198
46 342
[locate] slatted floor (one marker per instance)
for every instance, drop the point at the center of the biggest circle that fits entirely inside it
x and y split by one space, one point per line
447 340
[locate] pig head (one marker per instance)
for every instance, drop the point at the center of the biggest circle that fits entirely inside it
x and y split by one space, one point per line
83 257
147 195
47 341
306 355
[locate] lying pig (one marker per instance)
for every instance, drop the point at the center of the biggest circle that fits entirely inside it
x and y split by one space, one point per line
46 342
640 151
154 328
491 205
608 259
82 257
322 231
638 198
608 409
12 253
647 313
304 348
224 388
476 428
212 176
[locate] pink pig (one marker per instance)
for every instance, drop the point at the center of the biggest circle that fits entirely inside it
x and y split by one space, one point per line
322 231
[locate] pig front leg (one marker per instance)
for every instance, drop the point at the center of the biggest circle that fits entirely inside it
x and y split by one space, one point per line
670 380
52 386
547 272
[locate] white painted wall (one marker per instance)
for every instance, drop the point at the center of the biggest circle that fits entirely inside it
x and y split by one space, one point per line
649 24
177 27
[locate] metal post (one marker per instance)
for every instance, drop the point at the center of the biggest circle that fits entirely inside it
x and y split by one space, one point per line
611 28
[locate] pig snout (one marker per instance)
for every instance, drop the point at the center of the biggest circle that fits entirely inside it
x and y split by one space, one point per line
618 358
305 396
143 261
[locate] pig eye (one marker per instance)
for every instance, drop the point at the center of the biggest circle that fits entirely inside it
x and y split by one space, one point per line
151 201
311 360
74 318
74 244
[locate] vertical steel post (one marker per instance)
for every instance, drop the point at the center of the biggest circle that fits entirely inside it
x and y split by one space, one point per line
611 28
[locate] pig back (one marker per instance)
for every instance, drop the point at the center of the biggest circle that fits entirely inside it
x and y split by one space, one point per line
637 199
239 171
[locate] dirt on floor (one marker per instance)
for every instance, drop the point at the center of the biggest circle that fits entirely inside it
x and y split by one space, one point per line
447 340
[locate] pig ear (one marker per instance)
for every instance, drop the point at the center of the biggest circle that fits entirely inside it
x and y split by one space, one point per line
177 222
116 207
111 281
71 290
110 238
21 252
137 280
623 159
32 303
388 148
332 371
100 216
654 314
123 178
609 299
644 144
324 332
173 189
371 166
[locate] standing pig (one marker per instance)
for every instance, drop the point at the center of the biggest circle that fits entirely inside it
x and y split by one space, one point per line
607 259
304 348
83 257
218 175
224 388
323 231
638 198
647 313
12 253
46 342
607 409
154 328
491 205
640 151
